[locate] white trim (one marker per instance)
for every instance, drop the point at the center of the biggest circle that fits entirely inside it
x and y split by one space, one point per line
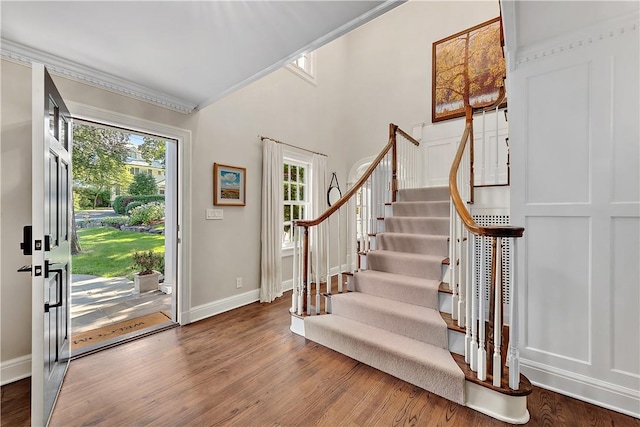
15 369
220 306
287 285
297 325
598 392
183 136
617 27
510 409
24 55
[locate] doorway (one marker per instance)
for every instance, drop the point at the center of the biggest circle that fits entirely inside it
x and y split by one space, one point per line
124 270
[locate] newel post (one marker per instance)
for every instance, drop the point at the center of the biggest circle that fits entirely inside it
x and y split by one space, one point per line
394 161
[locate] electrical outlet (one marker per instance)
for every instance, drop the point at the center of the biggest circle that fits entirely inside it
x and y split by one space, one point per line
238 282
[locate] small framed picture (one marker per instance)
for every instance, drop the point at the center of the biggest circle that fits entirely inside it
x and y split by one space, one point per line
229 185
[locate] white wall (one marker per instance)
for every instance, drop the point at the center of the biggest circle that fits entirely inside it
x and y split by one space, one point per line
389 68
573 119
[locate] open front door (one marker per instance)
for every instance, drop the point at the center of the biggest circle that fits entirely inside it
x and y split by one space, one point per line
51 259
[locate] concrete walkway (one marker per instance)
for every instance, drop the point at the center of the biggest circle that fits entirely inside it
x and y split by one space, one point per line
100 301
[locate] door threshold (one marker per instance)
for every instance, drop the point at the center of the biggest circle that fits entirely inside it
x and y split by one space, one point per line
121 339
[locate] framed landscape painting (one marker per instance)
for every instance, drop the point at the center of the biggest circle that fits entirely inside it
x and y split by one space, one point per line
468 68
229 185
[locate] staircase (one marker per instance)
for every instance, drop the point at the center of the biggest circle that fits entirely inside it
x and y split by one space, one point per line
392 321
458 340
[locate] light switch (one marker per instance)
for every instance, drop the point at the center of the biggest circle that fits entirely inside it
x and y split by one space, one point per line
214 214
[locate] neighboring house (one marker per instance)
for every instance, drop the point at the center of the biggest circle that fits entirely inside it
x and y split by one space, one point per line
136 164
573 108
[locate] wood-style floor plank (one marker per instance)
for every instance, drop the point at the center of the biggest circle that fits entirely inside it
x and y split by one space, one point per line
246 368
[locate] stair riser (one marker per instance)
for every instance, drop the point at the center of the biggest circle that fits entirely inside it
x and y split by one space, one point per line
413 225
444 302
421 329
415 244
423 194
423 269
417 209
396 291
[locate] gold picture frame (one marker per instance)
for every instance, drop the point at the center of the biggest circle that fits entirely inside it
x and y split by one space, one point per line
468 67
229 185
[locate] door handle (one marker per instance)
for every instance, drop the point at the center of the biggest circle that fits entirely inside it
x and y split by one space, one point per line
59 277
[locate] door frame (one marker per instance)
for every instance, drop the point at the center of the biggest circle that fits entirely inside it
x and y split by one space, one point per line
183 199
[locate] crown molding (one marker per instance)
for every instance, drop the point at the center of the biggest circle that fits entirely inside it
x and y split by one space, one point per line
622 26
18 53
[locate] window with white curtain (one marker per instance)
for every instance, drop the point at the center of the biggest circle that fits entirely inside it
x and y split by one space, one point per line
296 196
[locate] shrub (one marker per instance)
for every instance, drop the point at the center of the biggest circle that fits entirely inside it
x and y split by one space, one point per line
83 198
146 262
147 213
132 205
114 221
120 202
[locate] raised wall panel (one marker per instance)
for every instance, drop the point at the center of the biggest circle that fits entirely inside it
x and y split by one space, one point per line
625 295
438 160
557 168
557 287
626 129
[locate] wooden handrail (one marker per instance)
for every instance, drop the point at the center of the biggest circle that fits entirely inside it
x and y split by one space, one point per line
461 209
393 129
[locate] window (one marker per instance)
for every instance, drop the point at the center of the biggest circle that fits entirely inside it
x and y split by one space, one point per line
149 172
296 196
305 67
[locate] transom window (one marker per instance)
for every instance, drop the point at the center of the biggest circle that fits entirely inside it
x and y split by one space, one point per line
305 67
296 197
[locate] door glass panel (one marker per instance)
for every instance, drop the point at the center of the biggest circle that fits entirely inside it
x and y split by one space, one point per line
53 118
63 131
54 212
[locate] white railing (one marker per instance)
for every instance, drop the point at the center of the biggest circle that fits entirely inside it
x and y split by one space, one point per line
350 225
477 306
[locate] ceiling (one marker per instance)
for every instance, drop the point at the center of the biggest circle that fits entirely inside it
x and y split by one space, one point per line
180 54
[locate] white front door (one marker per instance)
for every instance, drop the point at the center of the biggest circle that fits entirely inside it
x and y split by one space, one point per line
51 259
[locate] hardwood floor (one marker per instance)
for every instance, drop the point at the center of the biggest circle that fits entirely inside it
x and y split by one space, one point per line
245 368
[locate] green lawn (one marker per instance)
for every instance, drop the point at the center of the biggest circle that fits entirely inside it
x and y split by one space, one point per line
107 251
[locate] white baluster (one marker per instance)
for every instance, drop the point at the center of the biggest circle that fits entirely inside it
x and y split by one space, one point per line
294 294
300 271
496 164
482 351
514 357
340 251
497 320
484 149
470 340
308 235
316 249
462 290
327 251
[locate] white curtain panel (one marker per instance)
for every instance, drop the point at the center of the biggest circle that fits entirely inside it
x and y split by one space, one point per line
271 233
320 184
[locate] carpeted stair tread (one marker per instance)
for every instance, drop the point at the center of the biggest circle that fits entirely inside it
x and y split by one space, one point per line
426 244
407 264
412 290
417 225
423 194
416 362
433 209
413 321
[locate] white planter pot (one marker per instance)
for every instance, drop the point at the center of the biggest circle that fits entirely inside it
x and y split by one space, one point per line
146 283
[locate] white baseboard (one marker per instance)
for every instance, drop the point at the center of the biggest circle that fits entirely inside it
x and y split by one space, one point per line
211 309
598 392
15 369
287 285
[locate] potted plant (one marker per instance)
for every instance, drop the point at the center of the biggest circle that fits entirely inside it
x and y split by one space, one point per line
147 278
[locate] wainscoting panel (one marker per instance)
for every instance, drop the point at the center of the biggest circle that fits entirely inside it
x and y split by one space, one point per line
575 150
625 296
563 92
556 285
